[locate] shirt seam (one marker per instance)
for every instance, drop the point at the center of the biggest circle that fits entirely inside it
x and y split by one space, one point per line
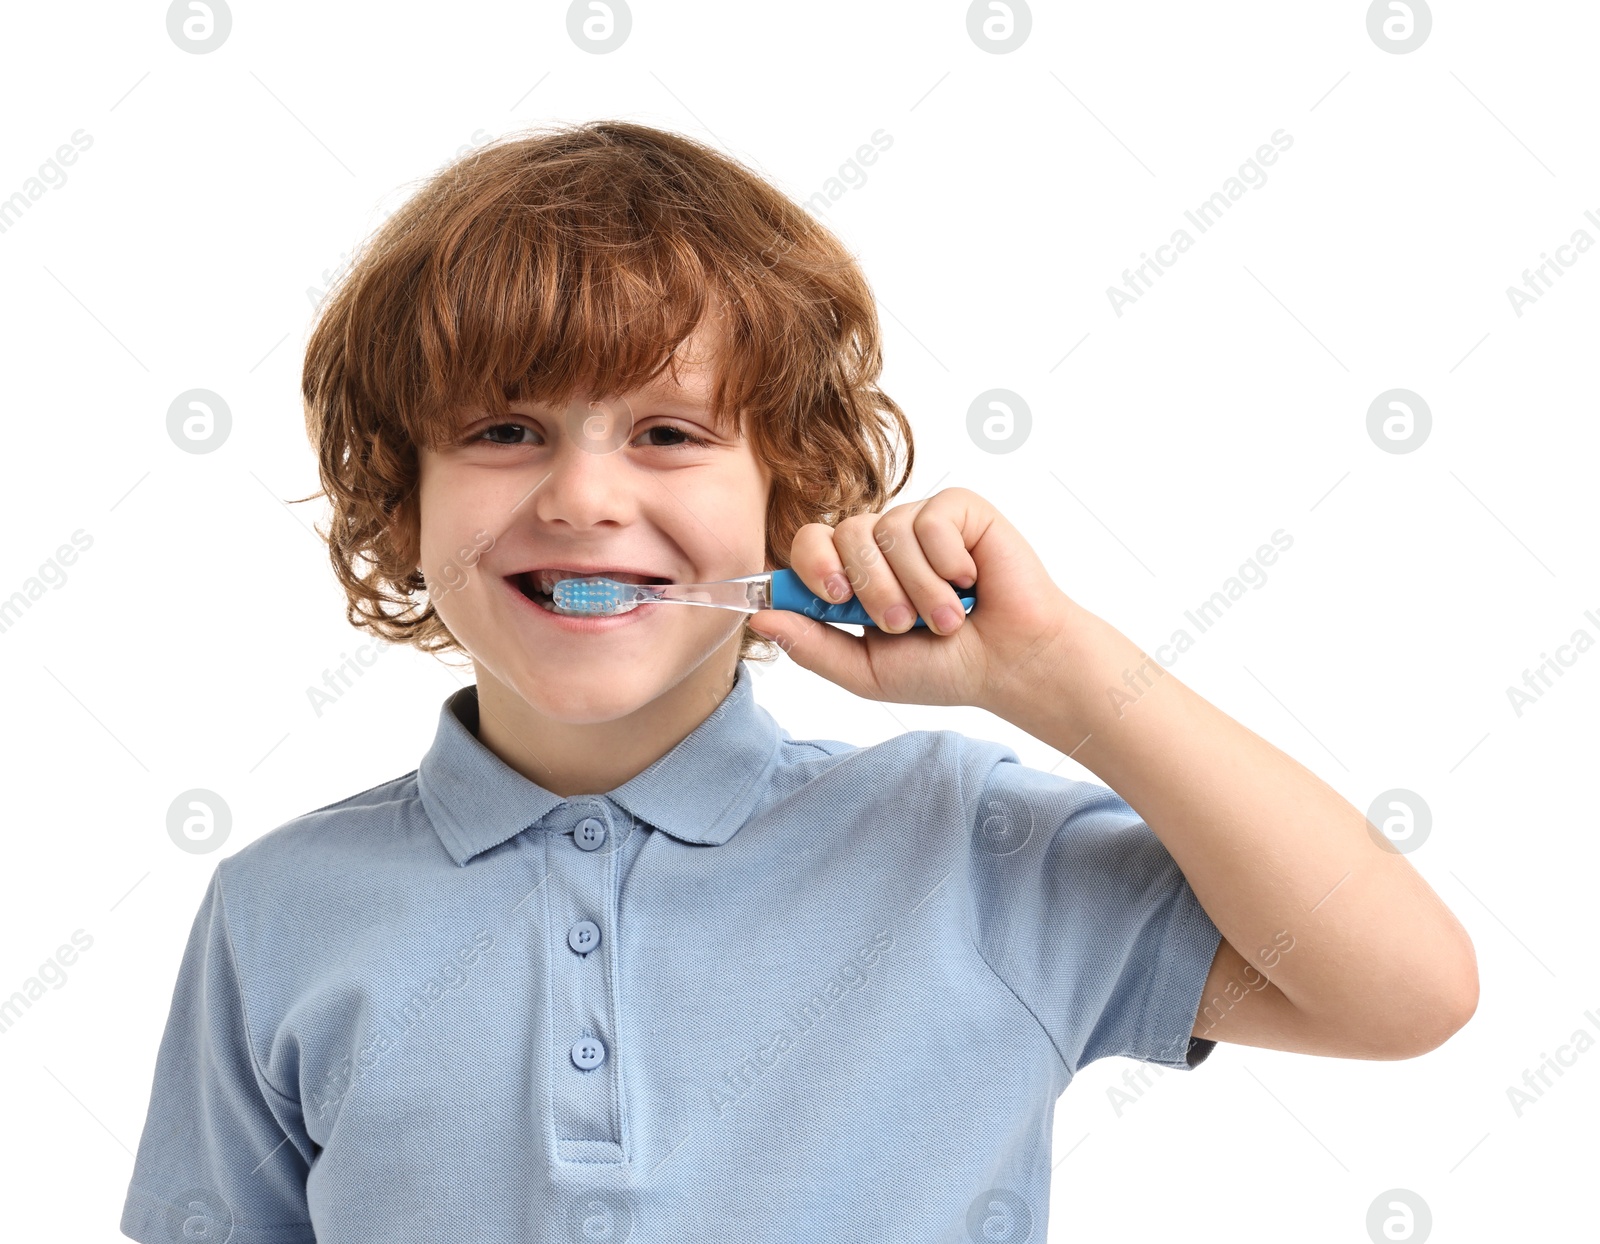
972 932
613 987
244 1009
399 777
145 1208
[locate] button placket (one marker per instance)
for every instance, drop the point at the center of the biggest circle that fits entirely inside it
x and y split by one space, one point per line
584 1083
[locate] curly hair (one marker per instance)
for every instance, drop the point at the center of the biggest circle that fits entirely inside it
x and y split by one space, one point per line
569 261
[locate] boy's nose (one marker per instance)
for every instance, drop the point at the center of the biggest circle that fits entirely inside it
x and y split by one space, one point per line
589 479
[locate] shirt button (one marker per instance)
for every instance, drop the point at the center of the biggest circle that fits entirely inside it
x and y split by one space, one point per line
584 936
588 1053
589 834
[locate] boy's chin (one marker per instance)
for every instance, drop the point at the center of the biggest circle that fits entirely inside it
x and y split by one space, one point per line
580 694
597 681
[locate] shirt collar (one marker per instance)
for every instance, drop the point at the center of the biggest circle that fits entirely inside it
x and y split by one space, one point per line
700 792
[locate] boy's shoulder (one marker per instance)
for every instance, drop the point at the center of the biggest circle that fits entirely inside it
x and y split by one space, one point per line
908 744
327 838
960 769
918 759
892 749
354 833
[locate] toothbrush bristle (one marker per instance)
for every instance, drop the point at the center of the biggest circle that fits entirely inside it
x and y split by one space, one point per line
592 596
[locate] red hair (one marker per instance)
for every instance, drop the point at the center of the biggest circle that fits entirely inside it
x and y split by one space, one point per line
568 262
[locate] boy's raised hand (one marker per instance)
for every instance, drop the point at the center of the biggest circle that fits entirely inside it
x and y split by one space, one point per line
901 560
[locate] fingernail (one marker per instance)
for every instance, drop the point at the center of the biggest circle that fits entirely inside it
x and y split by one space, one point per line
947 617
896 616
838 587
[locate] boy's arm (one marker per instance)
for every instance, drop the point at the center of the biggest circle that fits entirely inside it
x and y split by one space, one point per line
224 1154
1363 958
1376 966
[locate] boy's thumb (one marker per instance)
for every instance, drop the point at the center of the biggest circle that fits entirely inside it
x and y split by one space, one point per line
771 624
802 639
812 645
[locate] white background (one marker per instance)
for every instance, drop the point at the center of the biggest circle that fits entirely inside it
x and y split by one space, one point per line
1228 402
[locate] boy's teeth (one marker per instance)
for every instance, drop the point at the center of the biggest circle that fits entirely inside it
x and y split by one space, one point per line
546 580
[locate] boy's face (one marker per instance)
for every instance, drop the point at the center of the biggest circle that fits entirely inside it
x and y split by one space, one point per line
612 486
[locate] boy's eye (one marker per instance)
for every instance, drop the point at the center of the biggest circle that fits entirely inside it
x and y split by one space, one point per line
487 433
514 430
672 430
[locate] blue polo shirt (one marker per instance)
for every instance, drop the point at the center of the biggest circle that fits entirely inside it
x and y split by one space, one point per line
768 989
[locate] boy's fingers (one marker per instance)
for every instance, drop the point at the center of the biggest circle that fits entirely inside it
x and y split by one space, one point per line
815 559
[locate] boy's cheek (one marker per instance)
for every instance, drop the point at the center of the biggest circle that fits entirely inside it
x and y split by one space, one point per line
449 577
449 562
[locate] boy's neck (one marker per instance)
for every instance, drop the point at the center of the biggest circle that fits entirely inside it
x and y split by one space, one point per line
570 760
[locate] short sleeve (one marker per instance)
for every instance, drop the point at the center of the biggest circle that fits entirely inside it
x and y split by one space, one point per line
1083 913
224 1154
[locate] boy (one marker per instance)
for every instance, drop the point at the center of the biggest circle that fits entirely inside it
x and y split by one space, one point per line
621 959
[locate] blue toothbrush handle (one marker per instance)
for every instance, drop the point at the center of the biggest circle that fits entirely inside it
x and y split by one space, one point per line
789 592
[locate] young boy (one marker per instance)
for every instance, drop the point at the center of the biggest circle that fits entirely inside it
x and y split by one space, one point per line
620 959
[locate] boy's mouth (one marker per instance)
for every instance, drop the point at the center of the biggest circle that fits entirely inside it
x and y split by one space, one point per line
537 585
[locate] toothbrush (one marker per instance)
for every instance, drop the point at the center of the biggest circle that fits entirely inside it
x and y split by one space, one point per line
774 589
